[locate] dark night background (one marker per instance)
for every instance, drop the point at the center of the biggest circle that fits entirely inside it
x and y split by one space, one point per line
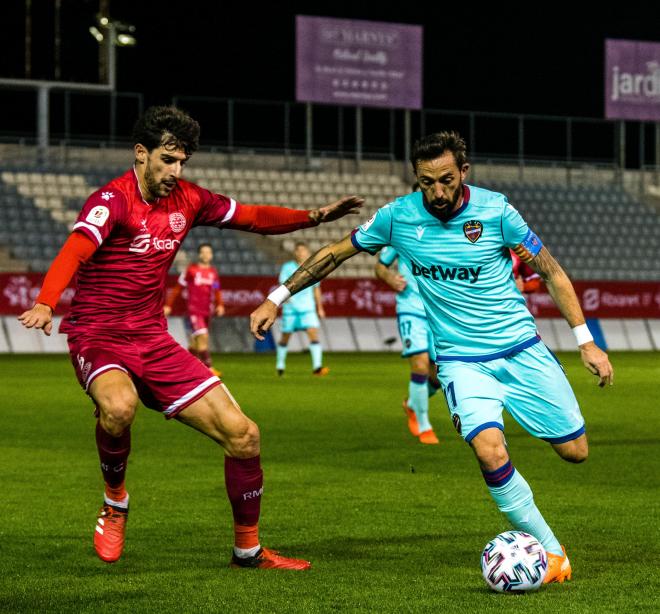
540 60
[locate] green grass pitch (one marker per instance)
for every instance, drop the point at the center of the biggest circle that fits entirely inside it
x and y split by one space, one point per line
390 525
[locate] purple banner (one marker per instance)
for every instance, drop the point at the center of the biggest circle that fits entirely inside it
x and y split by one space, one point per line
632 80
358 63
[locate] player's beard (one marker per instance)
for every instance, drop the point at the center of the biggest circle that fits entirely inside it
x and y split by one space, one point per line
156 188
445 208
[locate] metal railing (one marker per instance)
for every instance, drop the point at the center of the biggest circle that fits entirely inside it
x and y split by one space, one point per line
350 134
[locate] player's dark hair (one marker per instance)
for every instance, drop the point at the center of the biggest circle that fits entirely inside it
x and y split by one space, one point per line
201 246
169 127
434 145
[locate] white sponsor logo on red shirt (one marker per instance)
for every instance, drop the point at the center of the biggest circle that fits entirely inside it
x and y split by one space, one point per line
141 244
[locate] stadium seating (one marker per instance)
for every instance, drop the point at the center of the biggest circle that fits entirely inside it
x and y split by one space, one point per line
596 231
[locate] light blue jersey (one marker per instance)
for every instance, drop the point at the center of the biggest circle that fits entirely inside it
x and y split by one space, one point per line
408 300
304 300
462 267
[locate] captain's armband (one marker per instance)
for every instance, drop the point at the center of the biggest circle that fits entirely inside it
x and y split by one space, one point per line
529 248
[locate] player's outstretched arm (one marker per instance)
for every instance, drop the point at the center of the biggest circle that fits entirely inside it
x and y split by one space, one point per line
394 280
348 205
76 250
563 294
313 270
39 316
268 220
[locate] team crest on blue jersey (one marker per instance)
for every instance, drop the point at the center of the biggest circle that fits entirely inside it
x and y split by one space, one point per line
473 230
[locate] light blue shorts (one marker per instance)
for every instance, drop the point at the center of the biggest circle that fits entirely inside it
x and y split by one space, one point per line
531 385
415 335
299 320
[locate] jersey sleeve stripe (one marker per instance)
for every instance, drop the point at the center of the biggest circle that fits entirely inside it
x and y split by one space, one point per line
95 233
357 245
230 213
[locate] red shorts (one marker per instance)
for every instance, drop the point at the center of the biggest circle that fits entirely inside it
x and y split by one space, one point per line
197 324
167 377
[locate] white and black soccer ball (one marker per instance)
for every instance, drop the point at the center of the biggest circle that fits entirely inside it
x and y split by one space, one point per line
514 562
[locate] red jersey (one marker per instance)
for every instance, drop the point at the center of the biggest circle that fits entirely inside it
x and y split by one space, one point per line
201 284
122 286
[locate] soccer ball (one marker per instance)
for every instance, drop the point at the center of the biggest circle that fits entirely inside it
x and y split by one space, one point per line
514 562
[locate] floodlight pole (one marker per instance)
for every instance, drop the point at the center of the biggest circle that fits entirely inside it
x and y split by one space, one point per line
43 117
407 136
112 55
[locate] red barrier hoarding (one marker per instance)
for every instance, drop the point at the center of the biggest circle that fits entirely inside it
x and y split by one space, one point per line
366 297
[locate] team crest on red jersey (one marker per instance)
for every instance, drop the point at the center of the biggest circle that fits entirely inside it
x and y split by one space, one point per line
177 221
473 230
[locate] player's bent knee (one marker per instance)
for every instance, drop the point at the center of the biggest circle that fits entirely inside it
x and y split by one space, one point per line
490 449
419 364
246 442
576 451
117 411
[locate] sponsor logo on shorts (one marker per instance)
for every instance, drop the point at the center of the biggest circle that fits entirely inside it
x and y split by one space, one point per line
85 367
98 215
473 230
177 221
456 421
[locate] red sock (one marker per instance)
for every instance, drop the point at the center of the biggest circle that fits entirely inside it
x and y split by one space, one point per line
244 479
205 357
113 453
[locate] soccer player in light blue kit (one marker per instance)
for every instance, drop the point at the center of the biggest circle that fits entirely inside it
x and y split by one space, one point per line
456 240
302 312
416 341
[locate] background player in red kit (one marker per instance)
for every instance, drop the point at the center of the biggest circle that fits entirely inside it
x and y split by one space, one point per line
121 247
201 284
527 279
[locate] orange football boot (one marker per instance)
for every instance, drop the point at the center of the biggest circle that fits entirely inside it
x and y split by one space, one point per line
321 371
413 427
559 568
215 371
428 437
269 559
109 533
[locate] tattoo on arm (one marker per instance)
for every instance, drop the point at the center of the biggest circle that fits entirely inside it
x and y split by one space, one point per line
559 286
320 265
545 265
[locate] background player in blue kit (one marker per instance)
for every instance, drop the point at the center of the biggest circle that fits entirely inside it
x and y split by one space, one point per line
301 313
416 341
456 240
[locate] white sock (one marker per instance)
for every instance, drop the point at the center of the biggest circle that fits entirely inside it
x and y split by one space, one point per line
123 503
244 553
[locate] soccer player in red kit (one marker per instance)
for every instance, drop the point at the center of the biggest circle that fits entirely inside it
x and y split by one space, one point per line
122 245
201 284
